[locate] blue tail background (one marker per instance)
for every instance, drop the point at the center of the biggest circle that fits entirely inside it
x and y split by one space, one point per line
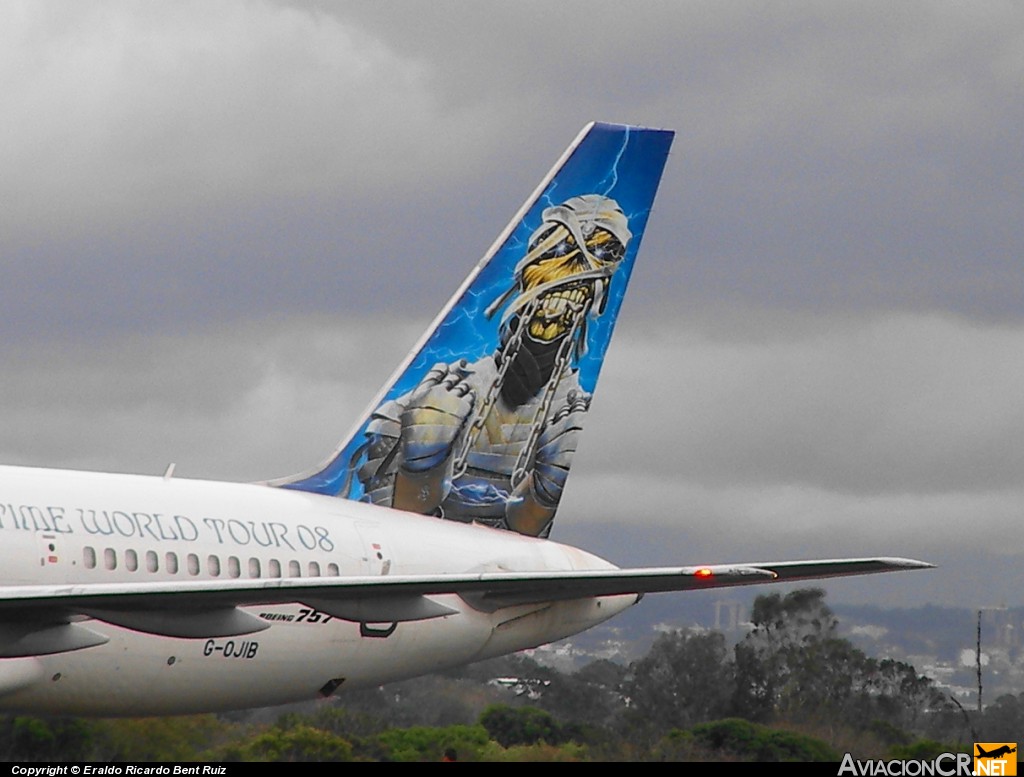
482 418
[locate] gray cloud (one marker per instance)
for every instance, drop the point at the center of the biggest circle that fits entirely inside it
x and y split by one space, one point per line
241 403
194 162
128 111
863 405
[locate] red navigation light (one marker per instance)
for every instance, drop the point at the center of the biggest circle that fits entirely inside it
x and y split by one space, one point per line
703 572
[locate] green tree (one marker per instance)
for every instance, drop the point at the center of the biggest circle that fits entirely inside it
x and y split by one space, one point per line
684 679
591 697
760 743
426 743
793 666
28 738
523 726
769 657
1004 719
299 743
181 738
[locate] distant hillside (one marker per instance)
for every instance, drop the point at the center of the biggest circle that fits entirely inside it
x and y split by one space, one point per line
941 638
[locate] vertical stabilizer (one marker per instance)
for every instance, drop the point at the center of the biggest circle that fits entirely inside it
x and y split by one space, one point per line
481 420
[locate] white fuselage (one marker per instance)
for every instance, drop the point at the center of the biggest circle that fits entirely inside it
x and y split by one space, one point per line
63 527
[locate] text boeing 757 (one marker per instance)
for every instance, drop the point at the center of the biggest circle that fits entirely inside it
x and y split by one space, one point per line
420 543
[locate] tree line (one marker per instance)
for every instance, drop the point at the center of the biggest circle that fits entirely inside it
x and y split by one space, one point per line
791 689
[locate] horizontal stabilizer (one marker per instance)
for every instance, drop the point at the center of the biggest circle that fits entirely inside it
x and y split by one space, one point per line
39 639
816 570
576 585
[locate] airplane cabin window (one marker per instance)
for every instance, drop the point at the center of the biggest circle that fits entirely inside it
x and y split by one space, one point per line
275 568
332 570
314 569
193 563
152 562
254 567
131 560
171 562
89 557
234 568
294 570
213 565
110 558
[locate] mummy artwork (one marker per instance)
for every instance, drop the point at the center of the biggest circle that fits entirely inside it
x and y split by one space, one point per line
492 440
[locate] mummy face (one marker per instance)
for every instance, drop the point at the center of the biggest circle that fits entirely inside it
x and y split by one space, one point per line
569 262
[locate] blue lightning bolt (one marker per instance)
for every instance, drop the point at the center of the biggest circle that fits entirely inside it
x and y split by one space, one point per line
614 171
465 333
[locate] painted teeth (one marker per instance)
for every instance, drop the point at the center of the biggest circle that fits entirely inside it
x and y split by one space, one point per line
554 308
557 311
561 303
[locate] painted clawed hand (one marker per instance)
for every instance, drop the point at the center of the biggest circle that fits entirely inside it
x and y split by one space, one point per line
556 446
436 413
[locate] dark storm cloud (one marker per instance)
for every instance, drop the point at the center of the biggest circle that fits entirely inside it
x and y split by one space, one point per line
841 155
216 159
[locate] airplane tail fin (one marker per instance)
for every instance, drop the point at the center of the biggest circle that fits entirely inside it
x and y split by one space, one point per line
481 420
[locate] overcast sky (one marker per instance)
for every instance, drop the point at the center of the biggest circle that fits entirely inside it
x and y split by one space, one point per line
224 223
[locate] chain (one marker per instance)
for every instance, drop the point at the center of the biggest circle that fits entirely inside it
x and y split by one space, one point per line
507 355
562 361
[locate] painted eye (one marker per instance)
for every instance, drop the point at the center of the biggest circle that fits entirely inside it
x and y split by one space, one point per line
605 246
